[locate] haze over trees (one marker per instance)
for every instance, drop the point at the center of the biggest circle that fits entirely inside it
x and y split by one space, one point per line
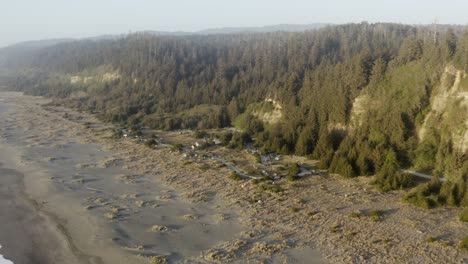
353 96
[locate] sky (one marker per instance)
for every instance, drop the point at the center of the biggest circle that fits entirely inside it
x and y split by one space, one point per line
22 20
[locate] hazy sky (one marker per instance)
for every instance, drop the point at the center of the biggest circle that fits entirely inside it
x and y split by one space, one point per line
22 20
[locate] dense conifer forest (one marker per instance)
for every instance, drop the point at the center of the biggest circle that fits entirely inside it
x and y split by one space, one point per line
364 99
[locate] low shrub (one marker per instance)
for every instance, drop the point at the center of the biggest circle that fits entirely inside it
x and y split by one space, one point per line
235 176
177 147
425 195
354 215
293 172
200 134
151 143
375 215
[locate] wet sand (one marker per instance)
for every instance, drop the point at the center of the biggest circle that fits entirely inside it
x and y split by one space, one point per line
113 214
27 235
122 202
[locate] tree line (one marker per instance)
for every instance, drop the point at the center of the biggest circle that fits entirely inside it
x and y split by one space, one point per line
200 82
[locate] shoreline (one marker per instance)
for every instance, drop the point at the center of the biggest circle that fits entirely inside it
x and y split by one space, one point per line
41 240
117 234
330 214
54 232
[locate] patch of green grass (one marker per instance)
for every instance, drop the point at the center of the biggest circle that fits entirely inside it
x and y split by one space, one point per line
463 245
235 176
463 216
294 209
354 215
376 215
272 188
431 239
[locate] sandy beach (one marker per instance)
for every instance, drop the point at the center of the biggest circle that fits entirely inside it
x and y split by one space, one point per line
102 212
75 194
25 229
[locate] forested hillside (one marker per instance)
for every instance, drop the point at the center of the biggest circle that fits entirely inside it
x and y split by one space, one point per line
364 99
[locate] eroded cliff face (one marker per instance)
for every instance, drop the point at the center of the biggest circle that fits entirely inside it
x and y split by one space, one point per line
449 108
447 113
273 116
91 78
361 105
100 77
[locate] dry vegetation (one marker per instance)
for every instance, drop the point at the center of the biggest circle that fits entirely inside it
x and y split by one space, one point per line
347 220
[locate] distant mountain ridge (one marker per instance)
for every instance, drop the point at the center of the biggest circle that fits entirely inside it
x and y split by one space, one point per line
264 29
31 44
37 44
